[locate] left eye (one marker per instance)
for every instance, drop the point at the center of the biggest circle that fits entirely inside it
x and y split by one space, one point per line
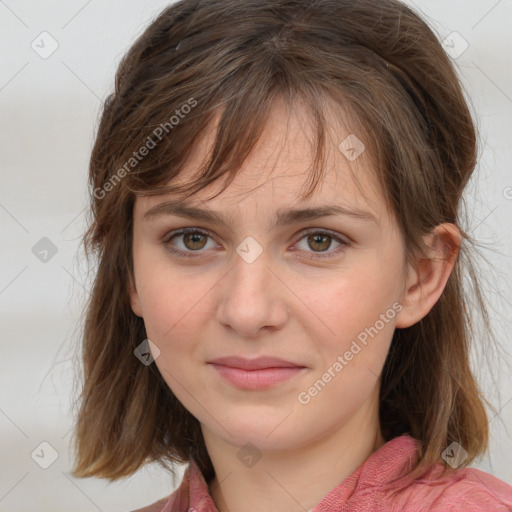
195 239
321 241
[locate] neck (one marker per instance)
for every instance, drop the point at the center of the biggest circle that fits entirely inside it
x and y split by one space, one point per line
291 481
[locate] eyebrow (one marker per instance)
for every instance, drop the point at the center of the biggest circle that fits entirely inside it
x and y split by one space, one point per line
282 217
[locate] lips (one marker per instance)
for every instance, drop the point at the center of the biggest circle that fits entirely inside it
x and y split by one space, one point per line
255 374
255 364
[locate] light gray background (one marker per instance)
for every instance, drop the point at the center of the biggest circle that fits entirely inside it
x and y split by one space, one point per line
49 113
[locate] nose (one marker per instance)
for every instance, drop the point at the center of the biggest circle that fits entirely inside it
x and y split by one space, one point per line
252 297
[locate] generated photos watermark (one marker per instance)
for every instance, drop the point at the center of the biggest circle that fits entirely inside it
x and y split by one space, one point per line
132 162
305 397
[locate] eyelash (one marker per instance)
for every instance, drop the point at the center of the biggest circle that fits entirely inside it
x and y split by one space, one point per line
191 254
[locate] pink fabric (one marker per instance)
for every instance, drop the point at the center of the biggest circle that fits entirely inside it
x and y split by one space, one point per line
373 487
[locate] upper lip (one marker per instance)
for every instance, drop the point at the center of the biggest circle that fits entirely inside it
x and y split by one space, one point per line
255 364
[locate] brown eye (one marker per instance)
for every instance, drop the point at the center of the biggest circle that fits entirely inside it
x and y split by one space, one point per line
194 241
318 244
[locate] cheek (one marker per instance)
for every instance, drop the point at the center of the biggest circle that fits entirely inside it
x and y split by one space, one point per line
166 293
171 308
171 318
348 303
354 317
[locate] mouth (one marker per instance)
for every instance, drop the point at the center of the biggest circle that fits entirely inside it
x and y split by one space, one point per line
260 373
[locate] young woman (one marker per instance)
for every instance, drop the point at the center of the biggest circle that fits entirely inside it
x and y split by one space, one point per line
279 301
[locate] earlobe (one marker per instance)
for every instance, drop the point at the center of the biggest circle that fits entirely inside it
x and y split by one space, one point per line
134 298
426 282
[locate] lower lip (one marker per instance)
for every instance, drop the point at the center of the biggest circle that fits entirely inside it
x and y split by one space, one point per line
256 379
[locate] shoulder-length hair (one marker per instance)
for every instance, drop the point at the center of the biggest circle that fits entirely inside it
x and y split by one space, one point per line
379 61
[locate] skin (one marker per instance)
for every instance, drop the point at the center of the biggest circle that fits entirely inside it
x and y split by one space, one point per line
282 304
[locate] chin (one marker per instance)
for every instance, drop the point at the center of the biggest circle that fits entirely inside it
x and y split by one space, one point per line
265 435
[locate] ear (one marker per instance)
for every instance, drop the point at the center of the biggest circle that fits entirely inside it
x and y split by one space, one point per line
134 297
425 284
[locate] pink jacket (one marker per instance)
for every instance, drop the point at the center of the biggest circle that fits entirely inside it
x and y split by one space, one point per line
370 488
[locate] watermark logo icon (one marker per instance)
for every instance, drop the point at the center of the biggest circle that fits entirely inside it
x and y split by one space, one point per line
44 455
44 45
352 147
455 45
249 249
147 352
44 250
454 455
249 455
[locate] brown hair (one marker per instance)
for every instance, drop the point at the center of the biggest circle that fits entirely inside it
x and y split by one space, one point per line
385 66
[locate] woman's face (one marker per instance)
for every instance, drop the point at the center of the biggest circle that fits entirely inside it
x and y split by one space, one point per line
275 279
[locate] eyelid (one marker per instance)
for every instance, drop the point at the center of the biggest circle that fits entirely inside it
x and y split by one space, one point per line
181 231
333 234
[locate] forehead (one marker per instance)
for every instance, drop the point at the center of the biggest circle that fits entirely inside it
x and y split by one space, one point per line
278 168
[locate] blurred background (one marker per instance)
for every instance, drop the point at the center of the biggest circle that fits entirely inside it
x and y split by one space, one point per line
57 65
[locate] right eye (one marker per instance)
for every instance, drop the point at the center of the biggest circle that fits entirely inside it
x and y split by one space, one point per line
194 240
